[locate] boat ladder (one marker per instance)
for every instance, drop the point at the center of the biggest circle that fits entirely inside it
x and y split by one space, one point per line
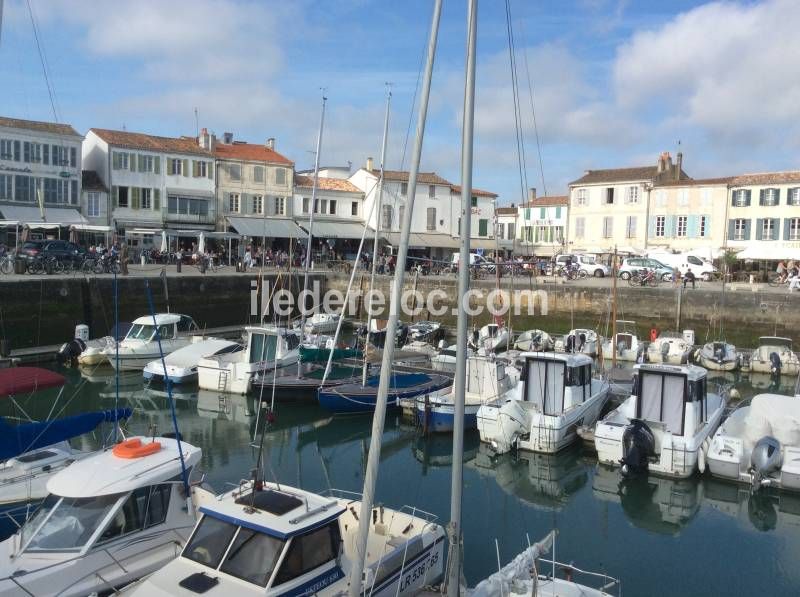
222 380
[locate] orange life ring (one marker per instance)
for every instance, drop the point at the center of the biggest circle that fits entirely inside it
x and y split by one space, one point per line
134 448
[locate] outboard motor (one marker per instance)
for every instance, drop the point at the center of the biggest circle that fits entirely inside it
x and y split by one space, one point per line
638 445
570 343
664 351
766 458
70 351
719 352
581 341
621 346
775 361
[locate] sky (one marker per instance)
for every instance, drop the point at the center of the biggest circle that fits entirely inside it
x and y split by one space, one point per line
612 83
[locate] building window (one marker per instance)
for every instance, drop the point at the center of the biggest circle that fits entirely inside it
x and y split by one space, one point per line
354 208
610 196
120 159
483 227
175 167
258 173
280 206
632 194
122 197
73 157
770 197
432 191
306 203
145 163
26 152
147 199
16 151
580 227
501 230
683 222
187 206
741 198
332 207
474 202
608 226
258 204
6 149
324 203
386 220
235 172
630 227
768 229
5 186
93 205
510 229
703 225
740 229
404 188
661 222
793 196
280 176
431 219
23 188
233 203
200 169
582 197
794 229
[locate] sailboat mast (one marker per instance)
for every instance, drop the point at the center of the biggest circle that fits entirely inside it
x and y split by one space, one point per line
311 217
379 207
373 460
459 383
614 310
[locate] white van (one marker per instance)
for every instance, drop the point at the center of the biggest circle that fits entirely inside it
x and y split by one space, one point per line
687 262
474 260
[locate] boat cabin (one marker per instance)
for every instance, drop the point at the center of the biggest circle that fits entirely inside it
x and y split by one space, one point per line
104 497
775 341
169 325
556 382
486 376
626 334
673 397
269 537
264 344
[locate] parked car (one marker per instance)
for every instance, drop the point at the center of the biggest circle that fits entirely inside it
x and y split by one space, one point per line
632 265
60 249
586 263
475 260
686 262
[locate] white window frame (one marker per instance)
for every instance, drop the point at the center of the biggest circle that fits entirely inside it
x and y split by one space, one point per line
582 197
794 229
258 204
630 227
767 229
739 228
93 204
660 227
608 226
580 227
740 198
702 225
632 194
175 167
234 203
306 204
258 173
124 160
146 198
430 222
280 206
354 208
794 196
682 226
775 197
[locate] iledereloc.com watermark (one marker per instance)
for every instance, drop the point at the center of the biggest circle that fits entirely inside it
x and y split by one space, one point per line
280 302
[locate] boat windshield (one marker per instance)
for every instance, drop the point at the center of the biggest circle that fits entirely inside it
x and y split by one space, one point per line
141 332
263 347
252 555
65 524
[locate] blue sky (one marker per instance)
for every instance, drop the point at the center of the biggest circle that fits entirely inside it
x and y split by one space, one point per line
615 82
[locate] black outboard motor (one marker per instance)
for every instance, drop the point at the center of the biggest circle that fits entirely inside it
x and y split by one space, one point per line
638 445
582 341
719 352
664 351
70 351
570 347
775 361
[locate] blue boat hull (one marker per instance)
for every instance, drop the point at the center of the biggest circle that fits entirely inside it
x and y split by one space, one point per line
441 419
354 398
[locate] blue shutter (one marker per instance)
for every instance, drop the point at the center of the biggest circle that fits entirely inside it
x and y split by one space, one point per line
731 229
775 234
787 222
748 194
527 214
708 226
777 195
558 212
691 227
761 194
669 227
747 224
651 227
760 226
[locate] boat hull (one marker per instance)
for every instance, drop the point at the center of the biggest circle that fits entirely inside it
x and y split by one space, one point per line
355 398
440 417
714 365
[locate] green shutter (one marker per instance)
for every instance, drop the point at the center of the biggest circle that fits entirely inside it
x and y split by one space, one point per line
185 170
542 213
748 195
114 160
140 157
211 170
135 194
132 162
115 196
527 213
558 212
483 227
195 168
157 164
760 222
156 199
747 224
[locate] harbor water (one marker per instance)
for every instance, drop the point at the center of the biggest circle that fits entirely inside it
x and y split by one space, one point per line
699 537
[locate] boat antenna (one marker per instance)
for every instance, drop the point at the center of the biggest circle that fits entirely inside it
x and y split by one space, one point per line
378 215
373 460
459 383
184 476
307 264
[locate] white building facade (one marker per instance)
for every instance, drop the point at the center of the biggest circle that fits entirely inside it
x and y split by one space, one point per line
543 223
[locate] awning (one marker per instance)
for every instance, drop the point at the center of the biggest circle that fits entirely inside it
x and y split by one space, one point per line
90 228
482 243
325 229
423 240
8 223
32 216
267 227
768 253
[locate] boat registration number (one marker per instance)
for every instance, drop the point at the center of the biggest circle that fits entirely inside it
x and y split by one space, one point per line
418 572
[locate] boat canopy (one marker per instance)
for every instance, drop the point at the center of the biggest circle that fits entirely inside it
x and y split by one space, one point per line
546 376
18 439
662 392
22 380
774 341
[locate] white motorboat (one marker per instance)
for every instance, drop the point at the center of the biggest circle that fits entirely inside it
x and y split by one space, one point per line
426 331
487 379
531 574
669 347
140 345
266 348
493 337
718 356
625 343
534 341
579 340
109 519
278 540
444 359
662 425
182 364
89 352
774 355
321 323
555 395
759 444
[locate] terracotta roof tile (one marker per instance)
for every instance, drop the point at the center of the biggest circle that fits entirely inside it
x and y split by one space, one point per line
146 142
35 125
422 177
763 178
695 182
506 211
326 184
456 190
250 152
90 181
548 200
617 175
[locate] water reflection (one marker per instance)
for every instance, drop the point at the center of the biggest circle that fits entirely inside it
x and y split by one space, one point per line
764 510
436 449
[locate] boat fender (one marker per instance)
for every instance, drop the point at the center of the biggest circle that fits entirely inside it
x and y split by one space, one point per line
134 448
733 394
701 456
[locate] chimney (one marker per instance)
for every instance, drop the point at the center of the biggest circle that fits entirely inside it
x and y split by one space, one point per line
369 164
271 143
660 168
212 142
678 166
531 193
227 138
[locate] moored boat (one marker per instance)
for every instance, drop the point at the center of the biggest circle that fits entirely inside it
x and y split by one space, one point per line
534 341
358 398
718 356
669 347
140 345
181 365
775 356
625 345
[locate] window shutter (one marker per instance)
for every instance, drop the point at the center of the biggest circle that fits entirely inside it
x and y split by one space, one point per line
775 234
115 196
747 224
157 164
185 169
669 226
761 196
748 194
731 229
195 168
707 231
156 199
651 227
132 162
760 225
135 194
141 162
777 195
211 170
691 226
787 223
114 160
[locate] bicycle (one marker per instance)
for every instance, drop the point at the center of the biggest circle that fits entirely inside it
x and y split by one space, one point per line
7 264
644 278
